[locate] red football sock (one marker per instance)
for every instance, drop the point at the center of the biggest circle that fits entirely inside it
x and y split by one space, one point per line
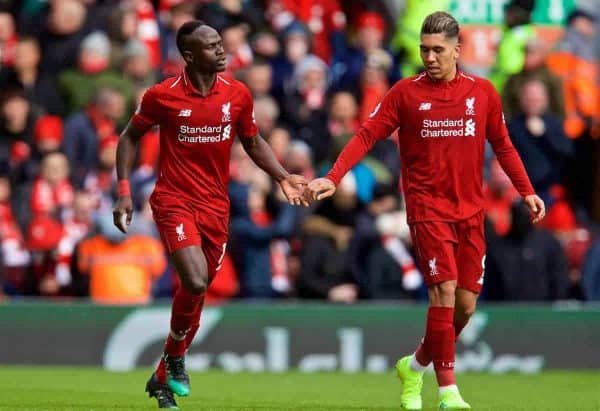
185 314
189 337
439 343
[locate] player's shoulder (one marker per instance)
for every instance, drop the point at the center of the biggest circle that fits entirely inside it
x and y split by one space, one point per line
480 82
235 85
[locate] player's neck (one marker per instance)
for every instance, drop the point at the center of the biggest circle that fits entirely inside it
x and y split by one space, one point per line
202 82
447 78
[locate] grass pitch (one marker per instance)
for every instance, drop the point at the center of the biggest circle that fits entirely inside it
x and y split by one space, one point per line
60 388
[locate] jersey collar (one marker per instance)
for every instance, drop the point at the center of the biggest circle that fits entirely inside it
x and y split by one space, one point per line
189 88
446 84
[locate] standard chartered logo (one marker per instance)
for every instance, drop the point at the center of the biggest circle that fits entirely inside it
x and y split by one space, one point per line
447 128
204 134
470 128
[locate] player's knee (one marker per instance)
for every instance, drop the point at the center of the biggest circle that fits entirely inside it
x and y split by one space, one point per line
197 285
465 311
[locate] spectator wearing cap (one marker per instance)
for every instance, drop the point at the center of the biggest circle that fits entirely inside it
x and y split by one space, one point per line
26 76
136 65
518 31
77 85
370 32
304 109
297 43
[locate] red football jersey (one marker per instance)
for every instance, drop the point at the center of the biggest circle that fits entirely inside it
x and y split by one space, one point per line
442 127
196 134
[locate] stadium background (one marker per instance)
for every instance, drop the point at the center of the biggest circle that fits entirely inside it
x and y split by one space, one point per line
74 292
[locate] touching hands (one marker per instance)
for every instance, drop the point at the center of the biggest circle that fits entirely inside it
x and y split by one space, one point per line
319 189
536 206
294 187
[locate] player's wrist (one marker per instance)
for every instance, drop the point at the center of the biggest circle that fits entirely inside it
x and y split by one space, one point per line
123 188
280 177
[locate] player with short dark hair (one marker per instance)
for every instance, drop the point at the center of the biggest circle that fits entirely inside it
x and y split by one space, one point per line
443 117
199 112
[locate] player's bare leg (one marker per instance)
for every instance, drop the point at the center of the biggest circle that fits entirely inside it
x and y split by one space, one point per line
191 267
464 307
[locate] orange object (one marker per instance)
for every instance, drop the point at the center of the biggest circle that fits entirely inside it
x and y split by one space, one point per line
122 273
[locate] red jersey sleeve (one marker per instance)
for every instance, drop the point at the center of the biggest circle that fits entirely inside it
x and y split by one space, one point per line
497 135
246 125
148 112
381 123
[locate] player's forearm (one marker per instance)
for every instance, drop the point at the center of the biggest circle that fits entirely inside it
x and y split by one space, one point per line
260 152
126 150
354 151
513 167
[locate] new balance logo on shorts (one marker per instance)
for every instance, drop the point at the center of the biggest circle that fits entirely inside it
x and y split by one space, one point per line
432 267
180 234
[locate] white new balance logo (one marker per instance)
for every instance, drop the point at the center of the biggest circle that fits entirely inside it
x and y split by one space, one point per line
185 113
432 267
180 234
425 106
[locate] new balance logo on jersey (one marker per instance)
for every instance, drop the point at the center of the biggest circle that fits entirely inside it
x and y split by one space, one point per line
432 267
470 128
470 103
226 109
425 106
180 234
185 113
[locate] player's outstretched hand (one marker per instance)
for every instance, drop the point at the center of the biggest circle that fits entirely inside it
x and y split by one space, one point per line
293 187
319 189
122 213
536 206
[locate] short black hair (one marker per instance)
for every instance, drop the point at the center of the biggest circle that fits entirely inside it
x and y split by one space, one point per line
185 30
441 22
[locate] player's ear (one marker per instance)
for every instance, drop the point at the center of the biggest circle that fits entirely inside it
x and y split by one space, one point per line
457 49
188 56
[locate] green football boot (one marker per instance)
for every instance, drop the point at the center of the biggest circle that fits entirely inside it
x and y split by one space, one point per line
452 401
177 379
412 383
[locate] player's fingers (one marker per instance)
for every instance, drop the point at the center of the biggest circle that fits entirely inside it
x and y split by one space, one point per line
119 221
129 216
325 194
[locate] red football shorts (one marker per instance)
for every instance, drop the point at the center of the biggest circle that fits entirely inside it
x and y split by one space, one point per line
451 251
181 226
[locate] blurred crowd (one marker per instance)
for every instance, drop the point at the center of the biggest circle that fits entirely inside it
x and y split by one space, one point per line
73 71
